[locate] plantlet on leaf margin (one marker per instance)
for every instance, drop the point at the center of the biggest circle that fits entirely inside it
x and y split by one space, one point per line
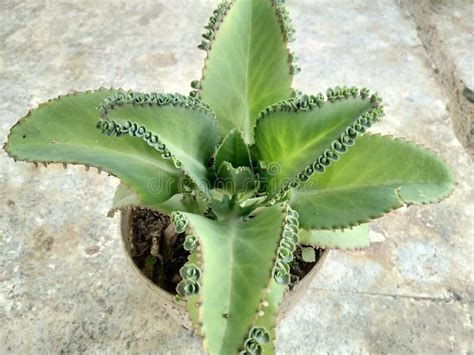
247 167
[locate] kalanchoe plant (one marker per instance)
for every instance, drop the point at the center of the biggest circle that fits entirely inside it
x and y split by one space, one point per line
247 167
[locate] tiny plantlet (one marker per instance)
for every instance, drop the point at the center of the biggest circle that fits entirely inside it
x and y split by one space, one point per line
246 166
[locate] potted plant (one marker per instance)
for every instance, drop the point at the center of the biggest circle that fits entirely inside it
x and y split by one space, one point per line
250 175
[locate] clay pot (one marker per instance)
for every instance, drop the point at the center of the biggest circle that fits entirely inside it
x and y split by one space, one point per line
177 309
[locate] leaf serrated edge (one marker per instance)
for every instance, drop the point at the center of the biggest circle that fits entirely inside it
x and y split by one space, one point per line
212 28
193 258
221 144
123 98
267 290
215 22
271 279
402 202
239 169
54 162
111 127
264 291
288 33
338 146
36 163
28 115
199 257
51 162
181 224
324 246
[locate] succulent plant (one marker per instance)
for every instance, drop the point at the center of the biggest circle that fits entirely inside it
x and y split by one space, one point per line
246 166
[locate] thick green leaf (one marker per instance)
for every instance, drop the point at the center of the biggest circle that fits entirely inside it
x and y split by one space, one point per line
348 239
235 180
233 150
375 176
124 198
308 254
269 313
293 136
185 126
237 261
64 130
248 65
192 301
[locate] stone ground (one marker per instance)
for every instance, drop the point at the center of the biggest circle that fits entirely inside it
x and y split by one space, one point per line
65 286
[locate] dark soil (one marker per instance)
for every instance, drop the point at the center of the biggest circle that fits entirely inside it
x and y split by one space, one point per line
299 267
158 251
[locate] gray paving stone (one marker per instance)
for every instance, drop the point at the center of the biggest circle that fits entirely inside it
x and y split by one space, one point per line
64 282
361 323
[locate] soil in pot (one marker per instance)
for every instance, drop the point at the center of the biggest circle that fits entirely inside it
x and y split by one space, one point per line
158 251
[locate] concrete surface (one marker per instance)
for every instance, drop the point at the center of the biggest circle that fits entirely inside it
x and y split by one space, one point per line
453 17
438 25
65 286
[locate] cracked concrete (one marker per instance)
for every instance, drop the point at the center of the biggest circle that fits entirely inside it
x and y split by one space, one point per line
452 298
65 285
